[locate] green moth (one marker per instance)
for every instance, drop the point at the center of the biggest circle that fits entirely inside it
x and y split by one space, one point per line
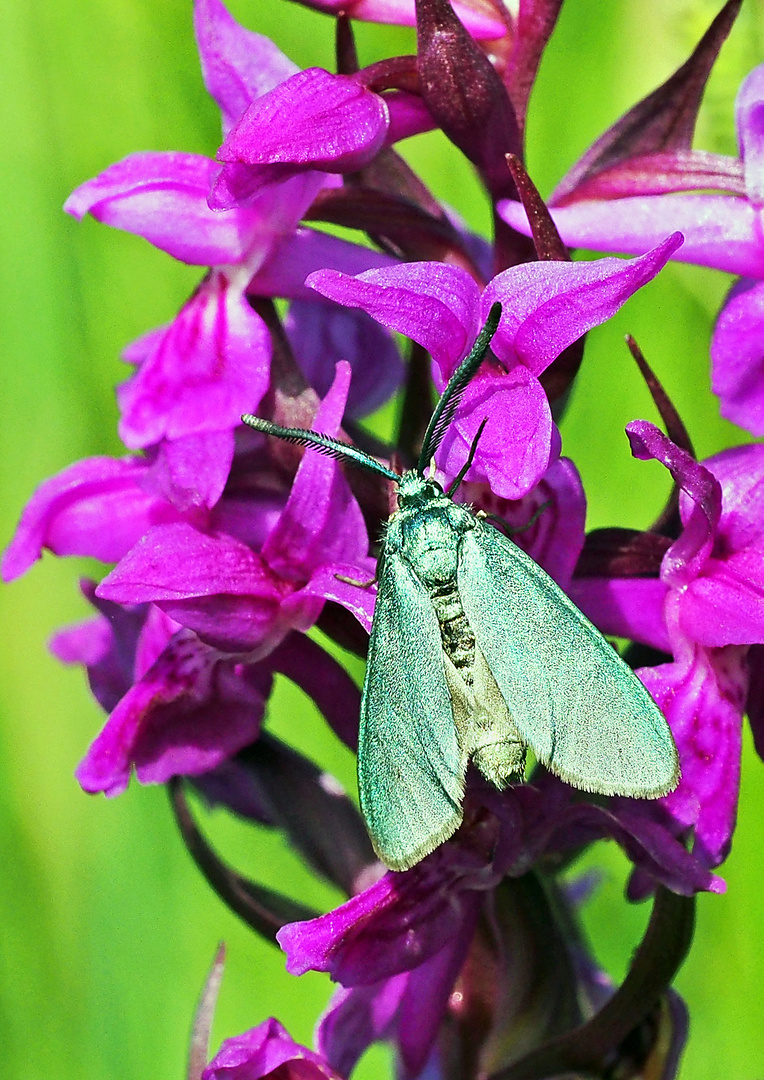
476 654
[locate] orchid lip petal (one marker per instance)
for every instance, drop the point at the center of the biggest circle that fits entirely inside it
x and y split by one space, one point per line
96 507
163 197
737 350
219 340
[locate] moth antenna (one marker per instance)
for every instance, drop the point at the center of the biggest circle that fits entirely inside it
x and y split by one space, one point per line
470 458
325 444
457 384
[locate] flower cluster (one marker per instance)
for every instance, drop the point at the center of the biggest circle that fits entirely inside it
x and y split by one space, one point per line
227 548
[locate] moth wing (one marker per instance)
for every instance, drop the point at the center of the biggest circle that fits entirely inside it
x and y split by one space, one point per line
580 708
410 766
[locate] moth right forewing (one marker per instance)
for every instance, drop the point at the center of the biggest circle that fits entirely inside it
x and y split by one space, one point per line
574 701
410 764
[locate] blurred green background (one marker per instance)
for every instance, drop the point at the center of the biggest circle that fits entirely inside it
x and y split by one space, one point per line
106 929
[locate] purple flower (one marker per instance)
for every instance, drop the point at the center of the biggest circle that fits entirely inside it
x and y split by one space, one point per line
196 376
723 231
192 709
311 121
399 948
241 574
178 706
712 581
248 577
266 1051
195 707
114 645
99 507
546 306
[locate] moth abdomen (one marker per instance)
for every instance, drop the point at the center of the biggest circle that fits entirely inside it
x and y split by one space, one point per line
455 630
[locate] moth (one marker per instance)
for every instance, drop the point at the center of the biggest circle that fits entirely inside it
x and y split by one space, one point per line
476 655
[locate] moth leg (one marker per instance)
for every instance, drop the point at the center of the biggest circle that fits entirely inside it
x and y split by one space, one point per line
470 458
359 584
510 530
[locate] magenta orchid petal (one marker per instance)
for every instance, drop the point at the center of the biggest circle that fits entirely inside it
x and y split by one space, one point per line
477 20
116 647
104 645
279 210
719 231
190 711
740 472
163 197
83 643
515 448
266 1051
749 119
555 540
237 64
321 522
435 304
294 258
192 471
96 508
703 694
326 583
313 120
244 187
178 562
686 555
725 604
210 365
249 517
737 356
214 585
312 945
546 306
356 1018
153 637
408 116
428 989
323 334
395 925
625 607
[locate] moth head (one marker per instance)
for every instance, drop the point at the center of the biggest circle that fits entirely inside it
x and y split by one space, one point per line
415 490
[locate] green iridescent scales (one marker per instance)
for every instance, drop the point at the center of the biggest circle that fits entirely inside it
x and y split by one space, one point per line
476 654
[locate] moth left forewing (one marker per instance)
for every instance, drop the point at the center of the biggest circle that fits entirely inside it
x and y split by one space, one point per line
580 708
410 765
